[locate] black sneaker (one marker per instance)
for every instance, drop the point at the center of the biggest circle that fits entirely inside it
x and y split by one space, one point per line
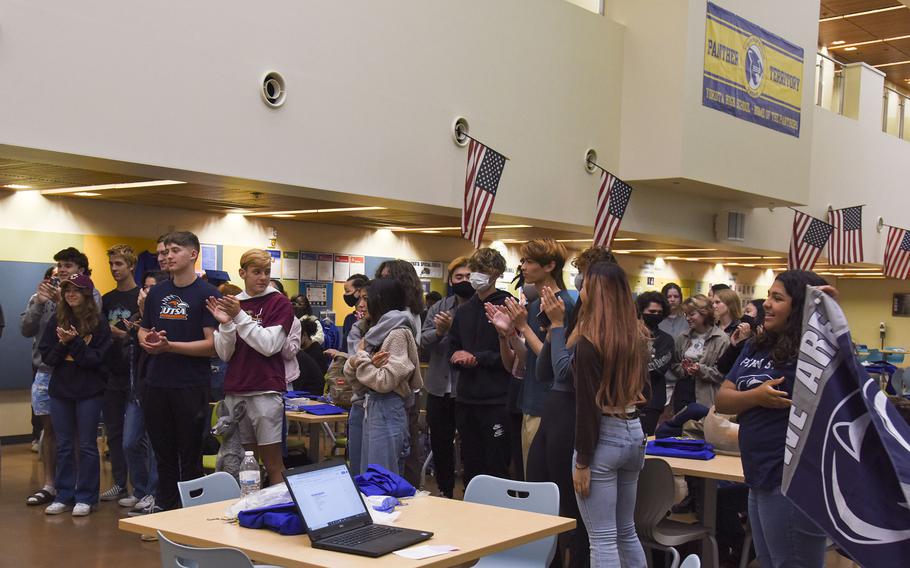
114 493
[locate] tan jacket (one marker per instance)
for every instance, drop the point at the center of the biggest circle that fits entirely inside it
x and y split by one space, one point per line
708 379
401 374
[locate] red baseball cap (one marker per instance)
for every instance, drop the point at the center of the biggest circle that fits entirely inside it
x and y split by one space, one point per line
79 281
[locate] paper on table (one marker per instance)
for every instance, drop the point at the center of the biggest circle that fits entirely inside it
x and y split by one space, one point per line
425 551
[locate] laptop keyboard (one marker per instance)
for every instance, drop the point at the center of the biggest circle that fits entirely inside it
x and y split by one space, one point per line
361 535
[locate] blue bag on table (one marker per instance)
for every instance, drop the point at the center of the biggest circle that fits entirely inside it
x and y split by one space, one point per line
377 480
282 518
680 448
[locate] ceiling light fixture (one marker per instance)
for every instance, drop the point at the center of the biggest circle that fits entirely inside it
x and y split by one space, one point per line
850 49
838 42
87 194
904 62
153 183
17 186
863 13
312 211
852 46
420 229
283 215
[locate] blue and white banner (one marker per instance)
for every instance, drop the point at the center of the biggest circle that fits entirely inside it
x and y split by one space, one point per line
847 458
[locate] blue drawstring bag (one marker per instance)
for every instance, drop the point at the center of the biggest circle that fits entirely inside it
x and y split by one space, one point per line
282 518
377 480
680 448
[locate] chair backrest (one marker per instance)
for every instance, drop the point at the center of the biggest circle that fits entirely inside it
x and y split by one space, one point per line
655 496
218 486
540 498
691 561
894 357
175 555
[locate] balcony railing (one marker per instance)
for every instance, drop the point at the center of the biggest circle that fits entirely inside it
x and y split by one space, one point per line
895 114
829 83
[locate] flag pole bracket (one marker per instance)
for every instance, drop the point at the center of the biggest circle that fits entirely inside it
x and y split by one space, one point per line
460 129
590 160
880 224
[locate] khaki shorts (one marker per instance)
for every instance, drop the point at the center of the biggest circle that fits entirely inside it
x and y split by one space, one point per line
263 423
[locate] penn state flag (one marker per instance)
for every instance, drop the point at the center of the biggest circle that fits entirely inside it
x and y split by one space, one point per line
847 456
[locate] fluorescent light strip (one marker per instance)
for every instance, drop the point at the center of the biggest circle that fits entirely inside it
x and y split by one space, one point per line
17 186
904 62
633 251
84 188
863 13
421 229
848 46
87 194
309 211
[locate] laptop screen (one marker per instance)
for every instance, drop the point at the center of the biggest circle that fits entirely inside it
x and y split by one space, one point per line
327 497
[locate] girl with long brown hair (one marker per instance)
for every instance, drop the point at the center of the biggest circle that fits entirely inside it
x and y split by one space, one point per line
611 351
75 347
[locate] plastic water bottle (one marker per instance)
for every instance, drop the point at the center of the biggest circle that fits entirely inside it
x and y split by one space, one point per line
249 475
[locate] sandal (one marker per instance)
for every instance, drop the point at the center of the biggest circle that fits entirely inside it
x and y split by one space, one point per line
41 497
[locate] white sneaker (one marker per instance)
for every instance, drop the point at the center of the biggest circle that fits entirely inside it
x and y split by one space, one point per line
56 508
129 501
145 506
82 510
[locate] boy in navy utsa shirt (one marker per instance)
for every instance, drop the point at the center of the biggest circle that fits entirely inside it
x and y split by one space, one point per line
178 334
253 328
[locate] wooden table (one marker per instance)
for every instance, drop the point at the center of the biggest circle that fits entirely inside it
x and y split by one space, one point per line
477 530
314 423
709 472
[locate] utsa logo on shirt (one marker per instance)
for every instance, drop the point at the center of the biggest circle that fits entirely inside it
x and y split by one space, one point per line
173 308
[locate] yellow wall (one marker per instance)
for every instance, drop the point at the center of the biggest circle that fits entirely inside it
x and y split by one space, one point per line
866 303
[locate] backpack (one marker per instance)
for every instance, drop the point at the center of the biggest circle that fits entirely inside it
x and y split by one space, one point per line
339 388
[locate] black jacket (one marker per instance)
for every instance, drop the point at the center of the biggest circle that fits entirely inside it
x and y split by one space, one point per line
661 348
78 368
488 382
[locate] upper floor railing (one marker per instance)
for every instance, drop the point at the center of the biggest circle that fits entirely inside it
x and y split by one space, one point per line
829 83
896 113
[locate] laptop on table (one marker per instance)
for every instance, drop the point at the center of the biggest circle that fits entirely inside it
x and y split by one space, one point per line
336 515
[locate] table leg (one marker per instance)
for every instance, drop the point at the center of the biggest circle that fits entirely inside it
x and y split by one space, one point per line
709 520
314 450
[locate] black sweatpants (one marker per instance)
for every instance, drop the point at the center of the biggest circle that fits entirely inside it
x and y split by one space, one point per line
483 429
550 459
441 420
113 410
176 421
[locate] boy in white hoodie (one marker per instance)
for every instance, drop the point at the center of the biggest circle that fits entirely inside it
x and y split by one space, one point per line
254 327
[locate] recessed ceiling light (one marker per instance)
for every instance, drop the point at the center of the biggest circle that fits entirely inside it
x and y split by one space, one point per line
154 183
87 194
849 49
239 211
838 42
17 186
431 232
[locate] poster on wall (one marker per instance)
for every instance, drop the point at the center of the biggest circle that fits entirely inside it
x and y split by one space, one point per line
427 269
316 294
358 265
901 305
208 255
290 265
308 268
276 262
342 267
751 73
325 268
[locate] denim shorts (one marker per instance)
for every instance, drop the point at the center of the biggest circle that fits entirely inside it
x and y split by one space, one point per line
41 401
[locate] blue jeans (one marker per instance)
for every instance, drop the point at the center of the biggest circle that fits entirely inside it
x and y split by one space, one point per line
385 432
784 537
355 436
140 458
609 509
76 421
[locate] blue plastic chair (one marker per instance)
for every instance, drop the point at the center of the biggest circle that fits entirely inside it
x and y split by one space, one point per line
540 498
894 358
219 486
175 555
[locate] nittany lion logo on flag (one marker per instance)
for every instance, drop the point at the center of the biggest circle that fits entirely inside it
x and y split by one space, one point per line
847 455
173 308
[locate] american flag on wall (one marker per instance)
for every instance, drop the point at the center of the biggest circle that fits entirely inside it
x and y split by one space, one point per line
807 241
485 167
612 200
846 244
897 253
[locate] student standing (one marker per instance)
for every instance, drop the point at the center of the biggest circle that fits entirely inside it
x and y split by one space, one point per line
727 310
652 309
483 382
442 380
310 360
253 329
75 349
178 334
610 371
119 306
387 368
695 356
758 391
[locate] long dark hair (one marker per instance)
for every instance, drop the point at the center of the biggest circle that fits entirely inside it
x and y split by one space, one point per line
84 317
608 320
383 296
784 344
405 273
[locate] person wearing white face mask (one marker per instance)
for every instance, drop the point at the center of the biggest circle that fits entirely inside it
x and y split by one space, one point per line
483 382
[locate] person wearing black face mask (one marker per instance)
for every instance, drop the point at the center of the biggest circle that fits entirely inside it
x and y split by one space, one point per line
749 324
653 308
352 289
441 379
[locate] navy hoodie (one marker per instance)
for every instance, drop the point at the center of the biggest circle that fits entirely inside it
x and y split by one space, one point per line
488 382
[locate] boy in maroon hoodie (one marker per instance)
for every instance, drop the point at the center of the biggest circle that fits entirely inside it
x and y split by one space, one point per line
254 326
